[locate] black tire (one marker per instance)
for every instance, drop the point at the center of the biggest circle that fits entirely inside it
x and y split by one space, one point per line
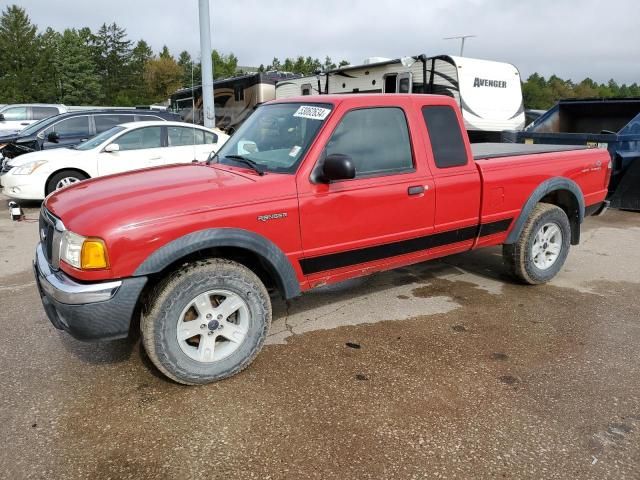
159 323
519 255
53 181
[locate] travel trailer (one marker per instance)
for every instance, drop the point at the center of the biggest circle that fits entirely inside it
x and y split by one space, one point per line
234 98
489 93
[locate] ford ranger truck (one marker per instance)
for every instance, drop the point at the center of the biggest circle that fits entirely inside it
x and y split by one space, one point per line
307 192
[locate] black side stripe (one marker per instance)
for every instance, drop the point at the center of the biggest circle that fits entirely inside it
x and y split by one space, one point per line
378 252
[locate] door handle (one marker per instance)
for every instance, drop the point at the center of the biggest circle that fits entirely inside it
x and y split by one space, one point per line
416 190
155 158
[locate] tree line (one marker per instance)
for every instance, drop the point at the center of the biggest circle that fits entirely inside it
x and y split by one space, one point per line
540 93
105 67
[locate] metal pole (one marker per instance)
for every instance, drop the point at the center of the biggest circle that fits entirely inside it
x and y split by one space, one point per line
208 108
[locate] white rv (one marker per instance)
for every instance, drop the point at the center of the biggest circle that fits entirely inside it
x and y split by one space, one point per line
489 93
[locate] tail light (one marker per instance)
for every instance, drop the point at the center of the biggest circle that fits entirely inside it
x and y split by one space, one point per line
607 177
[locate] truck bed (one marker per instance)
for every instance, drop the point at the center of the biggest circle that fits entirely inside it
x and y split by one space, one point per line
483 151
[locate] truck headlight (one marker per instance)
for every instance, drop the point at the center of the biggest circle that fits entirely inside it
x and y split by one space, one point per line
28 168
82 252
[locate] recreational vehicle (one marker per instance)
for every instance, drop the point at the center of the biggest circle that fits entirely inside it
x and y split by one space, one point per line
234 98
489 93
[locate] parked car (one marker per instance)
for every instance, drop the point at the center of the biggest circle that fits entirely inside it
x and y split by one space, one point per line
336 187
14 118
122 148
72 128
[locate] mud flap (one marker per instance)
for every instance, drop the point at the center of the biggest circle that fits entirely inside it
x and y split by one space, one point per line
627 194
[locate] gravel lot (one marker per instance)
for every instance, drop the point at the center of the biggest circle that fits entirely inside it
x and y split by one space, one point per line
457 372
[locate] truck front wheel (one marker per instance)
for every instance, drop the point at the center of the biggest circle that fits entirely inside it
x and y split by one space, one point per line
206 321
542 247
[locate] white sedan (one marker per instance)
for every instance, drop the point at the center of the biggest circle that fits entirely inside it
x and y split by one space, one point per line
129 146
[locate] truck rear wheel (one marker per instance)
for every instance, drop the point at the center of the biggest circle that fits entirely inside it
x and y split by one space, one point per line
207 321
542 248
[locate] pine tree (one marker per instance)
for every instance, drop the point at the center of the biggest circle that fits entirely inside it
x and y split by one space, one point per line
114 56
165 53
78 80
186 64
19 47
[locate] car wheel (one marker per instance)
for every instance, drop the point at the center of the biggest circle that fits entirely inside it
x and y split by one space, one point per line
542 248
64 179
205 322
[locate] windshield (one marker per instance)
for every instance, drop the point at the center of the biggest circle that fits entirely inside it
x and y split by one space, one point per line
35 127
275 137
98 139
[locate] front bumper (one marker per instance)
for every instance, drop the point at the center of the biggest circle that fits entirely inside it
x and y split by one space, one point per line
22 187
87 311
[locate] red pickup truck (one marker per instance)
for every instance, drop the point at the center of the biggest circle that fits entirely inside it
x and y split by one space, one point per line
307 192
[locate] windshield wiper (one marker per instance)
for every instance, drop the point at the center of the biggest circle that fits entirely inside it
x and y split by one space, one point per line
254 166
212 158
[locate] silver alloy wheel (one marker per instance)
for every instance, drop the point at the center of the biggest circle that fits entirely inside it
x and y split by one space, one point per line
547 246
213 325
66 181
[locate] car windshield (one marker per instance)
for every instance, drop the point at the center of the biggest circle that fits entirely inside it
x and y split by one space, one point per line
98 139
276 137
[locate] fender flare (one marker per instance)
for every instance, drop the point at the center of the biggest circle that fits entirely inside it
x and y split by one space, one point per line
274 259
546 187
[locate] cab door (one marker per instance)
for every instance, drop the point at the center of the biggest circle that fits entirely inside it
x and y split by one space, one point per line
381 217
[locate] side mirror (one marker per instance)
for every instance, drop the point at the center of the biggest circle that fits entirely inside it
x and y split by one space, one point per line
112 147
1 117
336 167
53 137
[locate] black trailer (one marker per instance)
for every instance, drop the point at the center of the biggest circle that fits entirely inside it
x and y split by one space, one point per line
613 124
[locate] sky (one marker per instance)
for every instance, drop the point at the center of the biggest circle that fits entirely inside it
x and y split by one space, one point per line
570 38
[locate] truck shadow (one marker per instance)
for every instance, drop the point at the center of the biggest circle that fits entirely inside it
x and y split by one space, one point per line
99 353
486 264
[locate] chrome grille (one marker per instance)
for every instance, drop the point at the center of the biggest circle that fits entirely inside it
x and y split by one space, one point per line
50 231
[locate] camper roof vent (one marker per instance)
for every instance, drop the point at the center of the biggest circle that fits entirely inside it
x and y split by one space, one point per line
370 60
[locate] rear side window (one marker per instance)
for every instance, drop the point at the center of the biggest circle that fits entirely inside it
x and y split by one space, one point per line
39 113
376 139
445 135
180 136
210 137
105 122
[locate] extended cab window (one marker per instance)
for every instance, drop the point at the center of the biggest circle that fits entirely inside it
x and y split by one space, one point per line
376 139
445 136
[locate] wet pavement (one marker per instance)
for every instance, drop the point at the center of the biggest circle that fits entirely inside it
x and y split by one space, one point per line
442 370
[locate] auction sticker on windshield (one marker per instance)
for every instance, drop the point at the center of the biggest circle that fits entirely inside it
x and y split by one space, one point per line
312 113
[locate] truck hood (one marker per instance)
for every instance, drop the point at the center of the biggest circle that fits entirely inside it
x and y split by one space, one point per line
117 203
